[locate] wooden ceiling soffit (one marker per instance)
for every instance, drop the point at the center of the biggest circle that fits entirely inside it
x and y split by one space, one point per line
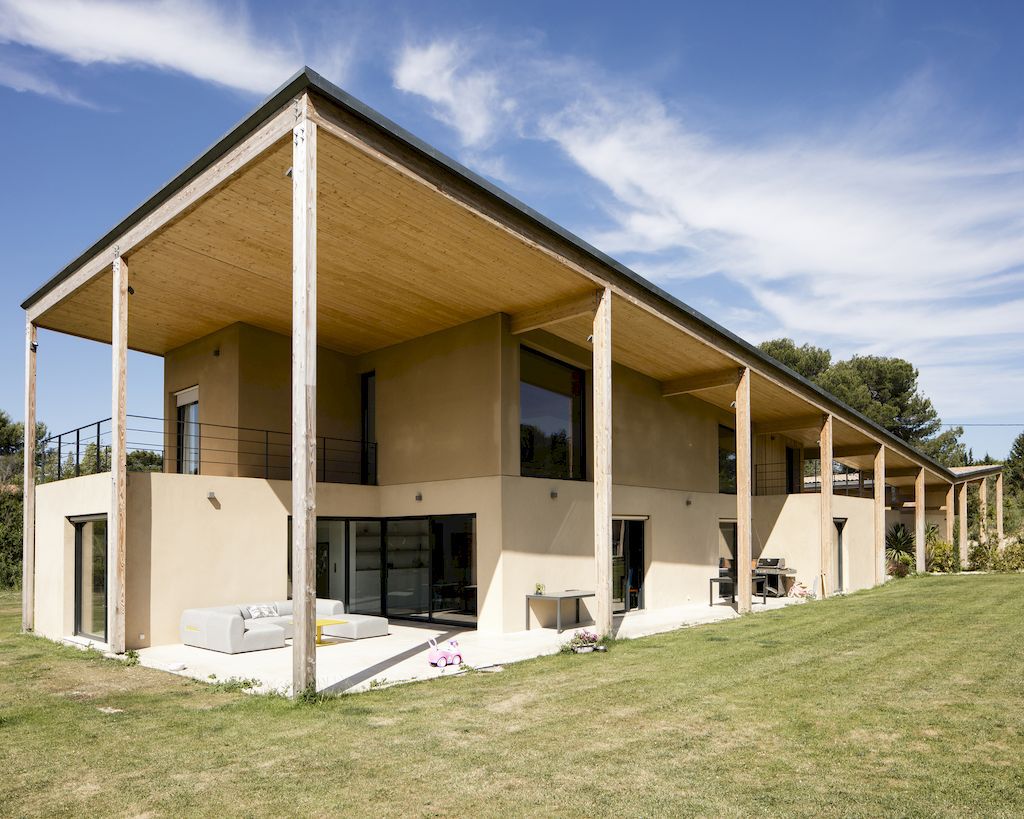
220 173
789 424
555 313
728 377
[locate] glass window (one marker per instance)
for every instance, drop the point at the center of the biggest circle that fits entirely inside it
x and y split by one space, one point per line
91 578
550 418
726 460
188 435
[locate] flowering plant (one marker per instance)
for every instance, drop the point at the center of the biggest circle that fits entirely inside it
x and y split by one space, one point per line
582 639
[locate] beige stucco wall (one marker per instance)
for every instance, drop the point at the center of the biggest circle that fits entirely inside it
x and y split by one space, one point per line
55 547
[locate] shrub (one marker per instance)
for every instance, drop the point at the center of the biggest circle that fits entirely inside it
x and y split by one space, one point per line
899 569
899 547
941 556
981 556
1010 558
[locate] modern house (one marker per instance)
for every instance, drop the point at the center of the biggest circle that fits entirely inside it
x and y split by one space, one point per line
387 382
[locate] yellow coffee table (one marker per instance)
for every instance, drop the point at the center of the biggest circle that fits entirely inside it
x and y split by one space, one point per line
325 621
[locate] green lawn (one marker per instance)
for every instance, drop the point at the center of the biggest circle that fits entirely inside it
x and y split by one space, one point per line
905 700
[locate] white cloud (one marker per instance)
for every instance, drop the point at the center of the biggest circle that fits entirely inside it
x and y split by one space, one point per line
186 36
895 231
24 79
467 99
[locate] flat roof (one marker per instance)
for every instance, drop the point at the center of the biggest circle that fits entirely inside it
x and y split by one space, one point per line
307 79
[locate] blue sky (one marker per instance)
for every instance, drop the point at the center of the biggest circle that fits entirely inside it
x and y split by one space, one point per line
849 174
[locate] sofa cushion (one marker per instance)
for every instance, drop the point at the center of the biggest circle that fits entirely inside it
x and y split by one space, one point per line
358 627
260 610
284 623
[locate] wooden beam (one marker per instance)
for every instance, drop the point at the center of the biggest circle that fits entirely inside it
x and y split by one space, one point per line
999 508
304 339
788 425
950 512
602 399
744 523
214 177
878 495
919 520
828 528
549 314
852 451
117 528
704 381
28 530
963 525
983 510
904 472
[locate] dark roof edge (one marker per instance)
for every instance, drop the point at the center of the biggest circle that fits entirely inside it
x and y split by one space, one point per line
295 84
307 78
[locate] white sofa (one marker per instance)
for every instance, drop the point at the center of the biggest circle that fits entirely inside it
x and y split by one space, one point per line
232 629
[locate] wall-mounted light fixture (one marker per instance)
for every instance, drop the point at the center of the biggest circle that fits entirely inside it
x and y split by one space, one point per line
211 495
216 352
554 494
131 290
419 496
689 501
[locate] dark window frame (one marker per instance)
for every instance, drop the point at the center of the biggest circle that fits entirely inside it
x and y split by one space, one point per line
78 522
179 463
578 434
723 487
383 520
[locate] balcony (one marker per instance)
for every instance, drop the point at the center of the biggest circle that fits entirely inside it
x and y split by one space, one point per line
201 449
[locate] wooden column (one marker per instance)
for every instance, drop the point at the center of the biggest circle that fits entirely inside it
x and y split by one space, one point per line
950 512
744 524
602 377
983 510
827 526
117 523
878 486
304 336
963 525
919 520
28 530
999 509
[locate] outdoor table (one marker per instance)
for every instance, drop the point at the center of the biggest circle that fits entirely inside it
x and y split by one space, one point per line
558 597
325 621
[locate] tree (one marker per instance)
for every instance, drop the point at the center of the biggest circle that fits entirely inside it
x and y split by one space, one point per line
883 389
807 360
1013 468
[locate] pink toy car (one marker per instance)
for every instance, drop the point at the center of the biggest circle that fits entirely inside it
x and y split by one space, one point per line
449 655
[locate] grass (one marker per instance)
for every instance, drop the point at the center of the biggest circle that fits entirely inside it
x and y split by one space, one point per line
904 700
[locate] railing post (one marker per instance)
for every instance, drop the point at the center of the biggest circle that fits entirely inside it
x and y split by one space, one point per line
99 459
266 454
60 456
78 447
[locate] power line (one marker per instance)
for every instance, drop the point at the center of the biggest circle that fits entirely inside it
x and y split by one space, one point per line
984 425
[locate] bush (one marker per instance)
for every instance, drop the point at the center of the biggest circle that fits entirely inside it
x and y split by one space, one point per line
941 556
1010 558
10 539
981 556
899 569
899 545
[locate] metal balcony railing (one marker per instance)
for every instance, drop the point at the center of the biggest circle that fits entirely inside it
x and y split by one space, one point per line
200 448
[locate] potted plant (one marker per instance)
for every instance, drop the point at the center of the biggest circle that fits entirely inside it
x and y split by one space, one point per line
583 642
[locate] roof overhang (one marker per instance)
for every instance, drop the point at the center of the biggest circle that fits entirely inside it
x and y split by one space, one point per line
410 242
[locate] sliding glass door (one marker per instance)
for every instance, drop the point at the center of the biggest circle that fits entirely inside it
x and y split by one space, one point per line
91 577
407 573
412 568
627 565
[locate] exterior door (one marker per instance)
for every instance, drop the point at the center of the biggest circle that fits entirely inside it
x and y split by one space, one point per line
837 554
91 578
627 565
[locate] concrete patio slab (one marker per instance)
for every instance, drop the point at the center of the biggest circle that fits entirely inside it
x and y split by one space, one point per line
345 666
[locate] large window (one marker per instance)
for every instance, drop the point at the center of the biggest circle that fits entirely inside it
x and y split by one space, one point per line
415 568
91 577
550 418
726 460
187 436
